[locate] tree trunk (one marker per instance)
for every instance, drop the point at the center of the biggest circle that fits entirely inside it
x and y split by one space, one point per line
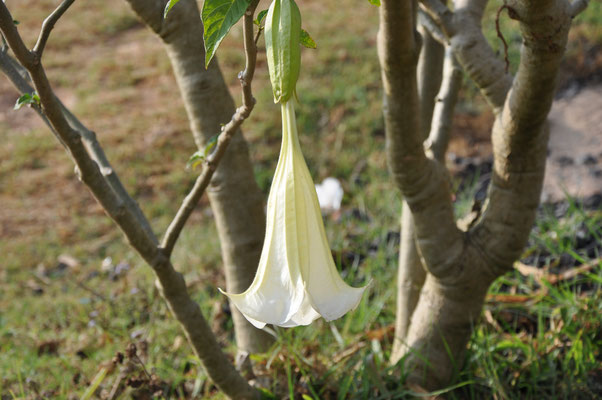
462 264
411 273
235 198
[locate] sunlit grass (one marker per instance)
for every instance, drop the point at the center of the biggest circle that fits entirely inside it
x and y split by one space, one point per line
60 326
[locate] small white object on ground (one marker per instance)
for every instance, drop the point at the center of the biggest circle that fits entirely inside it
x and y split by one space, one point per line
330 194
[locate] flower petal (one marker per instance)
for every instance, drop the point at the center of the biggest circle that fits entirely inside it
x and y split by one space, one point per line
297 280
277 292
329 295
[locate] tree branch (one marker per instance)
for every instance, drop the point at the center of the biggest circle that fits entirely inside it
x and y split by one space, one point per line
246 76
440 14
477 57
88 169
236 200
48 25
14 73
423 182
11 35
462 29
520 134
443 114
411 272
429 75
429 24
172 284
228 131
20 79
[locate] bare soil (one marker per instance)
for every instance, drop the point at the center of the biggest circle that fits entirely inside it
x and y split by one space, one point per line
574 165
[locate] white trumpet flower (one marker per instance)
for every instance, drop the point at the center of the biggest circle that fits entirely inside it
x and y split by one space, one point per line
297 280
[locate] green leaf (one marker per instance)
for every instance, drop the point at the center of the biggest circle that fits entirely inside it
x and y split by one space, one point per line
27 98
265 394
307 41
100 376
260 17
210 145
375 2
195 159
218 17
201 155
169 6
16 22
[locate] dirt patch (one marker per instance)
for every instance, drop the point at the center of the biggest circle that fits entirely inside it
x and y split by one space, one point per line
574 164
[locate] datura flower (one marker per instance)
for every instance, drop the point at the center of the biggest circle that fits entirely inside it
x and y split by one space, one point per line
297 280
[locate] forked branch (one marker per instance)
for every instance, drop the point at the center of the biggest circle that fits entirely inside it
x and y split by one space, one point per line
520 134
432 27
441 15
16 74
228 131
20 78
48 25
462 30
422 181
116 204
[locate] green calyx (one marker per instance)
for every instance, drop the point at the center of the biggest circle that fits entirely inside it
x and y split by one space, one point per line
282 37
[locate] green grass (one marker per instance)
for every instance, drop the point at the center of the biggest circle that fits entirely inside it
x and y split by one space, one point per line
61 327
548 346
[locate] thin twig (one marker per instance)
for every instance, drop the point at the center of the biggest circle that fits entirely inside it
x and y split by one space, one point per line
499 34
15 73
242 113
48 25
150 378
541 274
93 292
246 77
89 169
258 35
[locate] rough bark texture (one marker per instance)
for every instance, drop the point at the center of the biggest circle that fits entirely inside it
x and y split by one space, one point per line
461 265
235 198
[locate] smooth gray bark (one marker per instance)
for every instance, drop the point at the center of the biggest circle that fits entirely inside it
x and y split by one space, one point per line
235 198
